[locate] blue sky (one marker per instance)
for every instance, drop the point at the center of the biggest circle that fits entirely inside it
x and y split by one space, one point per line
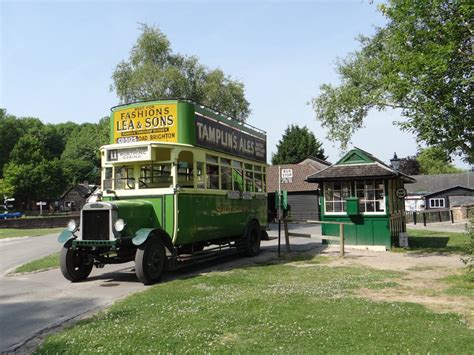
57 58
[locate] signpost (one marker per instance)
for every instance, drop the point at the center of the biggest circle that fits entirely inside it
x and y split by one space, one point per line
41 204
286 176
401 192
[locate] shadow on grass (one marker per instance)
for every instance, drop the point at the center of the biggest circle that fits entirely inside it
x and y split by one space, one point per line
428 242
435 244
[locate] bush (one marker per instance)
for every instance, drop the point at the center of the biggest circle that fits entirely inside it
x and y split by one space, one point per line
469 259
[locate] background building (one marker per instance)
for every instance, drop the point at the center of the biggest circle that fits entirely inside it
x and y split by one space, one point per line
303 197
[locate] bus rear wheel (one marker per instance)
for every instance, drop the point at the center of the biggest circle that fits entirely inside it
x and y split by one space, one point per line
75 265
150 261
252 239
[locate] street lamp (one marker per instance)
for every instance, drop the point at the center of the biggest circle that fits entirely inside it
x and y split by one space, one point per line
395 162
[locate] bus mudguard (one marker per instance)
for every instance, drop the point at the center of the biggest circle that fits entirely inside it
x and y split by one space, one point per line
142 235
65 236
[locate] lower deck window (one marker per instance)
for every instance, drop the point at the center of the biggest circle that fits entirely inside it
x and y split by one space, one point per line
155 176
124 179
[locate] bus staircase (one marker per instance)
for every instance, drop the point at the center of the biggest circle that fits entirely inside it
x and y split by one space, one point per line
323 238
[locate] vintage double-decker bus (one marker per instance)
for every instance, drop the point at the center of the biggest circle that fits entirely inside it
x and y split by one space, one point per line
180 183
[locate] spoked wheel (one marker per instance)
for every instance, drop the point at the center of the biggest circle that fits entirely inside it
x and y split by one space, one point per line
252 239
150 261
75 265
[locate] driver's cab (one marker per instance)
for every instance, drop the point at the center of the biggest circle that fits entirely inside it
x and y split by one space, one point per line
137 168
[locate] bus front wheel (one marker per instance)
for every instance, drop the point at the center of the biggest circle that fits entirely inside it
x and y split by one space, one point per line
252 239
150 261
75 266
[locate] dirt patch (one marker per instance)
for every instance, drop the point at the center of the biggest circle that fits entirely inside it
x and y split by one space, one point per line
421 281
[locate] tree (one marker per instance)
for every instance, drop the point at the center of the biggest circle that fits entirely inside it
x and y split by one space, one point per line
420 63
81 156
31 174
154 72
5 190
9 134
296 145
434 160
409 166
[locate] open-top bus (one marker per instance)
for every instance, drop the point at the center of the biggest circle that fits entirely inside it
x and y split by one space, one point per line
180 183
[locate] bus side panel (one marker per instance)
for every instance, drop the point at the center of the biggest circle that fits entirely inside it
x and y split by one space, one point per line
163 218
169 215
207 217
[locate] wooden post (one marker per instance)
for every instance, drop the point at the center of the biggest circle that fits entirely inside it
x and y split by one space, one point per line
279 235
452 216
414 218
424 218
287 237
341 242
404 223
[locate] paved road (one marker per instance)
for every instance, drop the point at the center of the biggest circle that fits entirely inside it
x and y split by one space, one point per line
34 304
17 251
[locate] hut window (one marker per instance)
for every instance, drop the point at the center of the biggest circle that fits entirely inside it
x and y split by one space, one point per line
335 194
371 194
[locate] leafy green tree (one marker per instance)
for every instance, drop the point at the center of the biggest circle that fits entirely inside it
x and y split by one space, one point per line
5 190
409 166
10 132
28 149
468 259
420 63
296 145
31 174
434 160
81 156
153 71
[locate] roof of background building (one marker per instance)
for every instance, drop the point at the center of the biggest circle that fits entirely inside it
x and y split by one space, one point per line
300 172
461 201
365 165
426 184
359 171
457 190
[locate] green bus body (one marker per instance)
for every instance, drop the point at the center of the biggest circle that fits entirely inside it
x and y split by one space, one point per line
201 215
176 171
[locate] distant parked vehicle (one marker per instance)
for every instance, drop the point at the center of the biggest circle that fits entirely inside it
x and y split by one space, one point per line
7 215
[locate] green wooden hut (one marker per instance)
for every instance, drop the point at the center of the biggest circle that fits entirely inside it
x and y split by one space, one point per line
363 190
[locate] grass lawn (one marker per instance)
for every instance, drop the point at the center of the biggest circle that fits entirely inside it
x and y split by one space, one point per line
297 306
15 233
45 263
461 285
437 242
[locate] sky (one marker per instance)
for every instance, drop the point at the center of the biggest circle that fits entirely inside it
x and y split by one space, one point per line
57 58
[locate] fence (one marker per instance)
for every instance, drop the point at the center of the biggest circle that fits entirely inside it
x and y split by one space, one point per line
398 222
441 215
289 234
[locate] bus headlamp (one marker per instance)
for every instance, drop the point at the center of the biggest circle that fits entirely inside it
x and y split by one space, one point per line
119 225
72 226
